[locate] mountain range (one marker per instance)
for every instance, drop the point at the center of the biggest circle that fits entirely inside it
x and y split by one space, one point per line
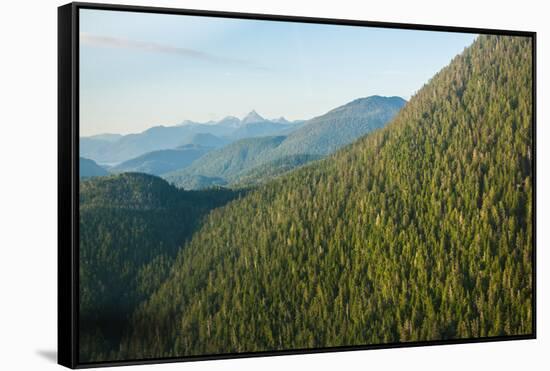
113 149
200 155
314 139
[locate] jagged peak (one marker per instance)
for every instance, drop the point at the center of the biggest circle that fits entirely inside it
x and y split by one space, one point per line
251 117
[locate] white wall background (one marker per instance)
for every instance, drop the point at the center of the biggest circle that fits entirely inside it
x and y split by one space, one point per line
28 155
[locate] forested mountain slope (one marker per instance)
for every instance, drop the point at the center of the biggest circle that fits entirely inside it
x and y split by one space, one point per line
227 162
325 134
269 170
131 227
419 231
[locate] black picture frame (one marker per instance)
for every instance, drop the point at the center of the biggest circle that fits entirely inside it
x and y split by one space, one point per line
68 178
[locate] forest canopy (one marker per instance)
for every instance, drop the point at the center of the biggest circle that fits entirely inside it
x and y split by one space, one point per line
421 230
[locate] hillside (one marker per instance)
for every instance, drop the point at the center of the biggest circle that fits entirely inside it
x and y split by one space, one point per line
163 161
88 168
131 227
92 147
206 140
197 182
269 170
419 231
227 161
311 140
340 126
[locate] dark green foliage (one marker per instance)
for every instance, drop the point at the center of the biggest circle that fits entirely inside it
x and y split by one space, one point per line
131 227
190 182
265 172
163 161
88 168
419 231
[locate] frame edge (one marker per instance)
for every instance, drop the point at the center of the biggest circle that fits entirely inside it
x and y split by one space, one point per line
67 348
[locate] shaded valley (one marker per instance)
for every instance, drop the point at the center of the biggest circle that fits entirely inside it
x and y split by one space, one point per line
131 227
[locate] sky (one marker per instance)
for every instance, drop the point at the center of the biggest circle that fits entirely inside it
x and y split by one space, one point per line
139 70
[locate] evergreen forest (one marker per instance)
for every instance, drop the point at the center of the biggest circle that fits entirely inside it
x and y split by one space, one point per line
419 230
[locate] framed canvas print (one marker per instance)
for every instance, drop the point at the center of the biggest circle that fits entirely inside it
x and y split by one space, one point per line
235 185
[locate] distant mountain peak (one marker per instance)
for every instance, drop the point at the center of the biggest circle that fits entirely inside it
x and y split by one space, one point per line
229 118
186 122
370 102
252 117
281 120
230 121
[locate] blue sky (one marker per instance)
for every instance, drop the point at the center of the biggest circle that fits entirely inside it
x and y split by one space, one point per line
139 70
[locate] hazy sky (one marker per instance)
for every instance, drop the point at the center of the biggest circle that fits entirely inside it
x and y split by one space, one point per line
139 70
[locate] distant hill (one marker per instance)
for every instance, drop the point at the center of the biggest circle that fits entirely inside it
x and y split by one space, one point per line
222 164
420 231
331 131
194 182
163 161
312 139
88 168
206 140
92 148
